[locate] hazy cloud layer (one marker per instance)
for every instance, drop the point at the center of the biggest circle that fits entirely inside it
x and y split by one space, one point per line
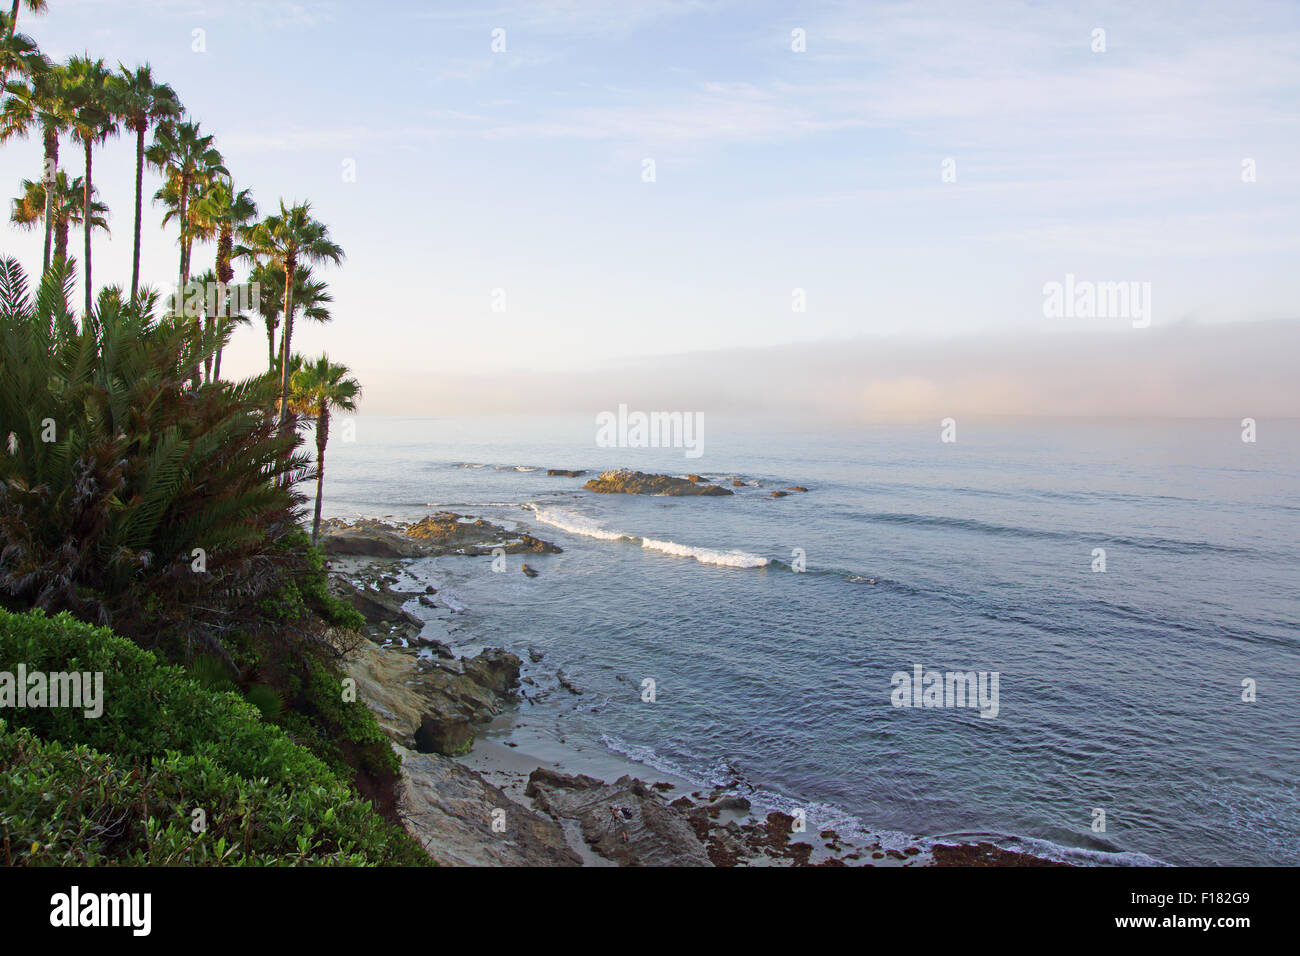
1239 370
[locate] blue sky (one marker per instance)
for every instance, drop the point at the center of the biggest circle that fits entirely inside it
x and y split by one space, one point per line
774 170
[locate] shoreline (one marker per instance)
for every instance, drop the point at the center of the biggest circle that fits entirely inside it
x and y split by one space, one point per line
578 804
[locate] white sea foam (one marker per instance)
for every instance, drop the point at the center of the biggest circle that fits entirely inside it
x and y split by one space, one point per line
726 559
576 524
580 525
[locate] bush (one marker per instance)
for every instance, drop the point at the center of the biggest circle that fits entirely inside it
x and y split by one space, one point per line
121 788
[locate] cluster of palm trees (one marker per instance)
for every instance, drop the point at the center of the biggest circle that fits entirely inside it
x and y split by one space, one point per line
87 102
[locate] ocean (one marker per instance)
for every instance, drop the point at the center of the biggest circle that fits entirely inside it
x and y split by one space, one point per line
772 629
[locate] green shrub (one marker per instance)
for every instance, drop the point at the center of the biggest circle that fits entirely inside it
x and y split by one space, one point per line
122 787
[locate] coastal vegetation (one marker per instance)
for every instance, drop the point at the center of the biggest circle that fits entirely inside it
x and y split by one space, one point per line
151 522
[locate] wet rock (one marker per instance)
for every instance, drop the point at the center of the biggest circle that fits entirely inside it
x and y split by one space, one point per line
985 854
797 488
495 669
627 482
567 684
530 572
779 494
564 473
731 802
626 821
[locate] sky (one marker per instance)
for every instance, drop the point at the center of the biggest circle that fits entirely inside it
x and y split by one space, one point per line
855 204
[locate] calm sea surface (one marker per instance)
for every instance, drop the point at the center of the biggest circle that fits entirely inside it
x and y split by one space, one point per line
1118 691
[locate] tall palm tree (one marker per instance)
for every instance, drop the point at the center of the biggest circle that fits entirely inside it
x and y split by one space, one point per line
289 240
220 210
189 161
41 101
143 103
62 204
268 282
92 89
319 389
36 6
311 300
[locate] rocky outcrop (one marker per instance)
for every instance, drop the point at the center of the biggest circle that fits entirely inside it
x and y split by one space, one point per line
985 854
462 820
625 821
564 473
442 533
626 482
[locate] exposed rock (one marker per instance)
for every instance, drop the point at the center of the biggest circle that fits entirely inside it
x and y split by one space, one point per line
450 809
696 478
796 488
779 494
984 854
528 571
367 538
567 684
627 482
442 533
449 734
626 821
564 473
494 669
737 483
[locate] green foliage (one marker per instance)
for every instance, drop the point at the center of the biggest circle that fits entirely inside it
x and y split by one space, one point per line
121 467
121 788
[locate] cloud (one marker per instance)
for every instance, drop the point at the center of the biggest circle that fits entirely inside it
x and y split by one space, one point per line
1185 371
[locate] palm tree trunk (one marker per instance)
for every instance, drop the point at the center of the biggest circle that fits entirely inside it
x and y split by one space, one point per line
51 183
289 271
185 205
270 346
322 436
61 241
86 218
139 186
207 359
216 369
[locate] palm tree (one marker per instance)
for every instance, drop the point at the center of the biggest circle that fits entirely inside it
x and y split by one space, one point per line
61 204
92 89
36 6
143 103
40 102
18 53
311 300
220 210
188 160
319 389
289 240
268 282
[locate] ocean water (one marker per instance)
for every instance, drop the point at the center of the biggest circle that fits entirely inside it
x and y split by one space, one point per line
1118 691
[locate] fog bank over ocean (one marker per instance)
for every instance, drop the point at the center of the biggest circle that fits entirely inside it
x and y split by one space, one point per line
1243 369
